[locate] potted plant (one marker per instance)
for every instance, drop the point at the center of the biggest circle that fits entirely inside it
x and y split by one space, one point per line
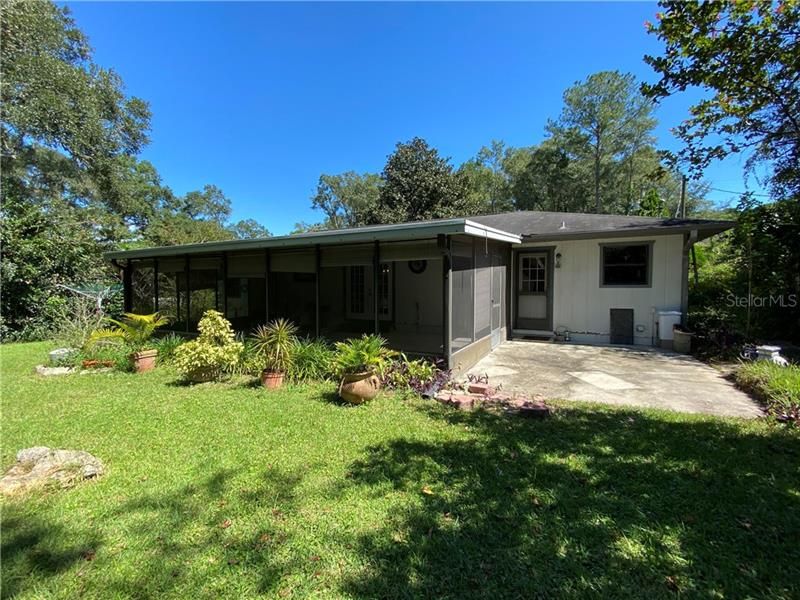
134 331
358 362
275 341
681 339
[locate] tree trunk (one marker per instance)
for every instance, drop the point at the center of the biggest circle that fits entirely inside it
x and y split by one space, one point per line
597 206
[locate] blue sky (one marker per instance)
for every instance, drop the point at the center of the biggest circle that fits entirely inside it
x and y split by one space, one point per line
261 98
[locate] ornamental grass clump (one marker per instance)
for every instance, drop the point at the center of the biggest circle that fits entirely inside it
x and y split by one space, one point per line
212 354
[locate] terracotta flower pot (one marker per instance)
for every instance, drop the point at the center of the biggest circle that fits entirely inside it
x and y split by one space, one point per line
357 388
271 379
97 364
144 361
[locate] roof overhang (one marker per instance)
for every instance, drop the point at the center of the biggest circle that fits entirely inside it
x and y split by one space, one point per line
359 235
702 231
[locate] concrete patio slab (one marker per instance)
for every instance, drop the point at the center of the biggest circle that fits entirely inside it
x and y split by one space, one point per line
621 375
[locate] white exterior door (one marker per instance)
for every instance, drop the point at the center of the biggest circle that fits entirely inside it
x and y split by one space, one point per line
534 293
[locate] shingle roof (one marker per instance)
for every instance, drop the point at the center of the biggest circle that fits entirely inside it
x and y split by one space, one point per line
558 225
530 225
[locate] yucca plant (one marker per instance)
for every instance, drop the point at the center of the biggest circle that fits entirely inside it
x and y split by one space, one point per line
132 330
275 341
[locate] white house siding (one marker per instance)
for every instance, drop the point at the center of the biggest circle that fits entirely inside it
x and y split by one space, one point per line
581 306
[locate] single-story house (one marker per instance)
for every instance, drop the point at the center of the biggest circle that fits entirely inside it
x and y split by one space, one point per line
455 287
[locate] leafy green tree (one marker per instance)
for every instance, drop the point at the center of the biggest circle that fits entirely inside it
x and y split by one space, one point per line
65 128
652 205
53 94
544 178
70 183
746 54
249 229
346 198
486 180
418 184
199 216
44 244
759 259
605 122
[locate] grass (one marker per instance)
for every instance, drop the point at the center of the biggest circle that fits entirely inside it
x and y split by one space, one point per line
232 491
778 387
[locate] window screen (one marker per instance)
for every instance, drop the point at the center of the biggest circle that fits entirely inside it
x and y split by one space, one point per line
462 280
627 265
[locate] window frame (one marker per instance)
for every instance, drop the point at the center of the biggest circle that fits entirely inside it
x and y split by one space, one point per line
649 265
521 270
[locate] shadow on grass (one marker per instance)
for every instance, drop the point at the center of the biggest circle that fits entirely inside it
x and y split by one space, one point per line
193 535
606 503
32 543
204 529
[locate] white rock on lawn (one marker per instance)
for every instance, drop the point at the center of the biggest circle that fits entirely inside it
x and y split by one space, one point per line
39 466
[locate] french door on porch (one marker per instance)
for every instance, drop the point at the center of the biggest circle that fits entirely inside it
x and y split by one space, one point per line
359 292
534 291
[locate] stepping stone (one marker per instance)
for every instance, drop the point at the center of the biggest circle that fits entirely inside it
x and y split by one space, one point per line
534 411
483 389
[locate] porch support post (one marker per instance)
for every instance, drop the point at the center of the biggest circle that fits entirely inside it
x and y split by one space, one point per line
266 284
376 265
127 287
510 275
155 285
688 241
317 259
186 270
224 284
443 242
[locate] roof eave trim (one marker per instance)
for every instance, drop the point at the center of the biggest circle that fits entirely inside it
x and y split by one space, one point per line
705 230
484 231
382 233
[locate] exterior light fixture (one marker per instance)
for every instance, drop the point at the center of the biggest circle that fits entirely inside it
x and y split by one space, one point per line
558 260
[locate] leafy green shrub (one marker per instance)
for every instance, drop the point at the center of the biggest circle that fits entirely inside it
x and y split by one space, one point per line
778 387
359 355
312 360
275 342
251 361
214 352
166 347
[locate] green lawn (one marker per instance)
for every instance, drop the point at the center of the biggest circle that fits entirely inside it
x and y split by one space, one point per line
228 490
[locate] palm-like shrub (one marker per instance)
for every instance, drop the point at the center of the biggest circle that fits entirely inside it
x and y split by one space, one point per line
132 330
275 341
362 355
214 352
